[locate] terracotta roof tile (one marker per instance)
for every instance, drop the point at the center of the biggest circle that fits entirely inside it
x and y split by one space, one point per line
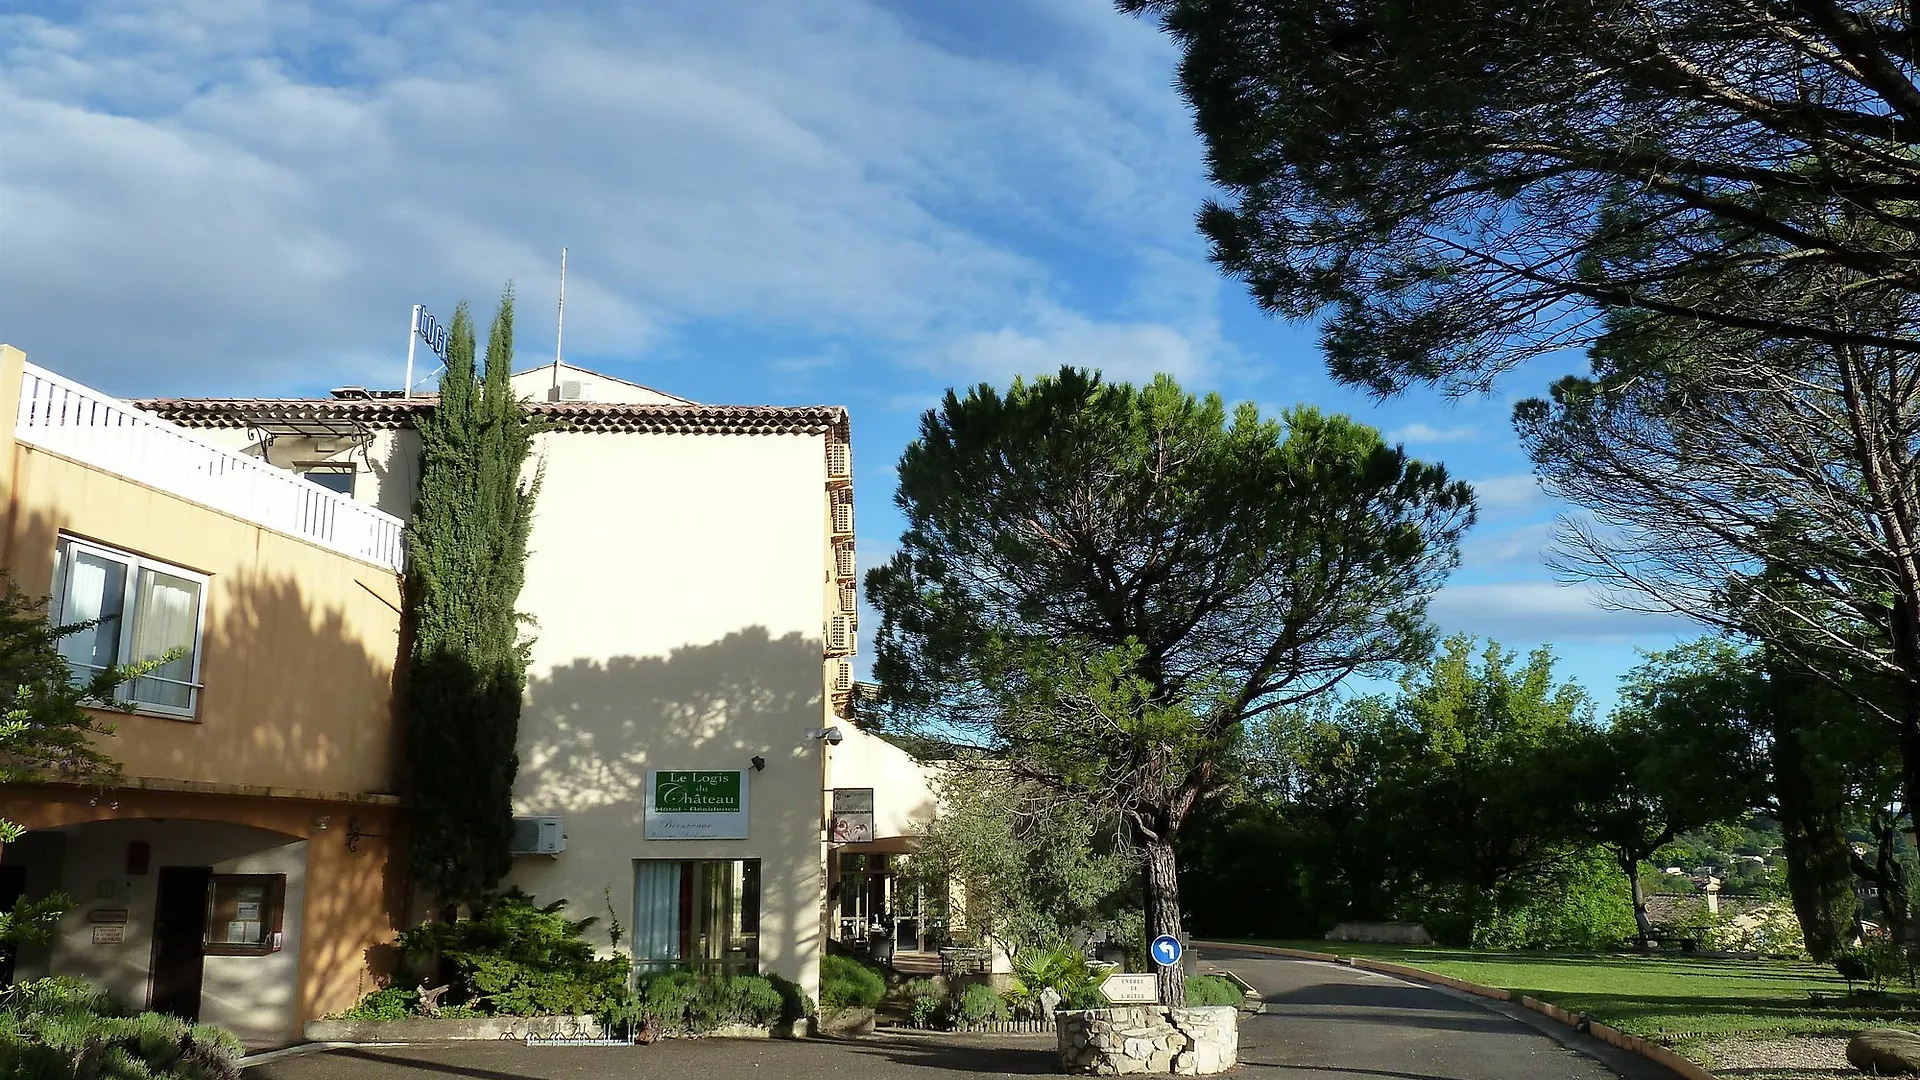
564 415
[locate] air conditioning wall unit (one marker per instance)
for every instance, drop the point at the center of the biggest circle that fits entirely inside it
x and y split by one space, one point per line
843 512
844 564
839 461
571 390
842 676
538 835
843 635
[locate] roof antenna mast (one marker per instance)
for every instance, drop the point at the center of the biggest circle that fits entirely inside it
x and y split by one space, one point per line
560 326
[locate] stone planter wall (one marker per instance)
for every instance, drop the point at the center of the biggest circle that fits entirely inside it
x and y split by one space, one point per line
1148 1039
432 1029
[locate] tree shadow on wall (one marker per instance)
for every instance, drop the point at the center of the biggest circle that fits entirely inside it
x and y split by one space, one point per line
298 650
591 730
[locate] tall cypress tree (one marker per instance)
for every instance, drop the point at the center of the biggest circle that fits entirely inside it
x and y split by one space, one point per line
467 549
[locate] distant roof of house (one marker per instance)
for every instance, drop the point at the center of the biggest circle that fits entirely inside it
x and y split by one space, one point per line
1665 907
564 415
548 366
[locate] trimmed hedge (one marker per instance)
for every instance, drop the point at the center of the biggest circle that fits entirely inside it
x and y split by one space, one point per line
846 983
1212 990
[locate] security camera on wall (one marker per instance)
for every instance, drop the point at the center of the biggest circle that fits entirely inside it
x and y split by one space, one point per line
832 736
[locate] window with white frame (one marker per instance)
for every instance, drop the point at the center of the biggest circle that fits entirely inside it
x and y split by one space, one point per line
140 610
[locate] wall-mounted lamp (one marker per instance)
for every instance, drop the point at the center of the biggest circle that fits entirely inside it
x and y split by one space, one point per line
322 822
759 763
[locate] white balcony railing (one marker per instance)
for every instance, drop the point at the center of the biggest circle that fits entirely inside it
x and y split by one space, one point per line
81 423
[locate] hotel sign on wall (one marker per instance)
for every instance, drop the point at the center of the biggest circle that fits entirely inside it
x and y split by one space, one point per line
685 804
852 815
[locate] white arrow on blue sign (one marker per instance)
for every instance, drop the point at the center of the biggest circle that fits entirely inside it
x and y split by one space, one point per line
1166 950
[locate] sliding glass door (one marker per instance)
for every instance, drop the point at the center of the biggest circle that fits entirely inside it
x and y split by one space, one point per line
697 913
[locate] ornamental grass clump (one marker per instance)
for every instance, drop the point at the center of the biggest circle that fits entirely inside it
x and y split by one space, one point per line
61 1028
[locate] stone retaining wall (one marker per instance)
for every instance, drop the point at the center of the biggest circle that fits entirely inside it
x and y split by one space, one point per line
1148 1039
434 1029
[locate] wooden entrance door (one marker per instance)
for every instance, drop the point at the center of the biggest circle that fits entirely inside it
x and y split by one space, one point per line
179 936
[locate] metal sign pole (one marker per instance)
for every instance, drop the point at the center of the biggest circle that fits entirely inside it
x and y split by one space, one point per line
413 334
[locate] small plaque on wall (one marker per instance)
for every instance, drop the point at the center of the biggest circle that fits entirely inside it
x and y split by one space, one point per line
112 934
107 915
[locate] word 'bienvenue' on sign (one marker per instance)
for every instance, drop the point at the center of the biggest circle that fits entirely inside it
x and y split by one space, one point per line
1131 989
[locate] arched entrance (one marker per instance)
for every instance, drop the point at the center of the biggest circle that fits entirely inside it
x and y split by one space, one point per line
197 918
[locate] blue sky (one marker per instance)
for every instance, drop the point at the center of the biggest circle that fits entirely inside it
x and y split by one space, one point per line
792 203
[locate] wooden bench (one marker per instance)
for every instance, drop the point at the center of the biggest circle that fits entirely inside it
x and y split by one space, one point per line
965 961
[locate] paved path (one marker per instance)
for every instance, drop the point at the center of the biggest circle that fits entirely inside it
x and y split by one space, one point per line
1323 1022
1332 1022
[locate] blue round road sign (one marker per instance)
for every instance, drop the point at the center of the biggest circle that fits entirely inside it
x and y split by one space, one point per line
1166 950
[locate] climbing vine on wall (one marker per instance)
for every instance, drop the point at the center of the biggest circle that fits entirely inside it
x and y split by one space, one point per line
467 551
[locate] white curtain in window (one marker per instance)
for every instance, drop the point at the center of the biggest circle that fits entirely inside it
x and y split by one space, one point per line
95 589
165 616
656 913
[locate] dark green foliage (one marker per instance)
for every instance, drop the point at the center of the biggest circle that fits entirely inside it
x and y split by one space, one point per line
60 1028
1100 583
515 958
391 1003
928 1010
1455 185
45 731
1212 990
1584 905
1445 804
1683 752
1033 869
979 1004
685 1001
846 983
466 558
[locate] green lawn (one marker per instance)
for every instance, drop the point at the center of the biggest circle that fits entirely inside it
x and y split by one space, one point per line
1672 999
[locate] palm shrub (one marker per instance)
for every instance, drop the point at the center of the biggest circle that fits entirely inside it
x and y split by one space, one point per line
1061 969
60 1028
846 983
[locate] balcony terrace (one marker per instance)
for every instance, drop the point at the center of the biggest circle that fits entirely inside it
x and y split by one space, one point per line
78 422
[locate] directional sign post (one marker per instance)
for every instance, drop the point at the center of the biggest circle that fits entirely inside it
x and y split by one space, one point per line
1131 989
1165 950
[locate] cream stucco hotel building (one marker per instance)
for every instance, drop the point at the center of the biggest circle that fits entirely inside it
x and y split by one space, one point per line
691 586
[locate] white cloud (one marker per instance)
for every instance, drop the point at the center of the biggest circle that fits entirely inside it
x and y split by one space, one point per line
1423 432
1124 352
1510 495
247 196
1546 611
1499 549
